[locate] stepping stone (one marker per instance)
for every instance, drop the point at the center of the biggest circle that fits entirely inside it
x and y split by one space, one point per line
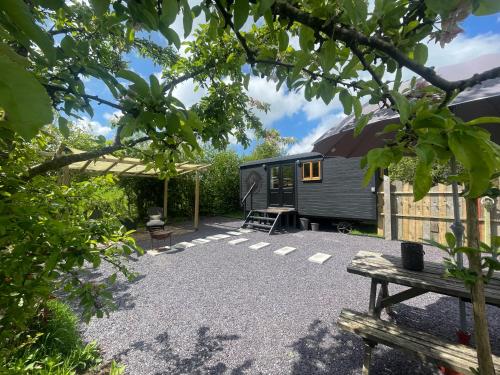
246 230
200 241
214 238
233 233
237 241
285 250
183 245
155 252
319 258
259 245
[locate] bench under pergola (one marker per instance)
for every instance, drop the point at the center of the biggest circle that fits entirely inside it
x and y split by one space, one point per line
125 166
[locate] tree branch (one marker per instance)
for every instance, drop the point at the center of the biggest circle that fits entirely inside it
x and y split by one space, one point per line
64 160
53 88
351 36
355 50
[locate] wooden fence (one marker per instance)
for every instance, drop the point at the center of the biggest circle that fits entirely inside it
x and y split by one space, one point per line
429 218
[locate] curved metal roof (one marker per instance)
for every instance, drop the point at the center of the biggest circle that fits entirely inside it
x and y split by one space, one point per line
486 94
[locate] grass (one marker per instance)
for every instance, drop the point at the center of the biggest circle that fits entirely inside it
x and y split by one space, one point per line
53 346
365 230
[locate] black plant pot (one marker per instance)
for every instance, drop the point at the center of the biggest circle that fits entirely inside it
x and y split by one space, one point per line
412 255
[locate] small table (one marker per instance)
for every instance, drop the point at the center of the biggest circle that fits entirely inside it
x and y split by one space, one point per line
160 234
384 269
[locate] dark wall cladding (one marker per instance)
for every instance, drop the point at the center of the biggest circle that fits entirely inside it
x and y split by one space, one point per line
340 193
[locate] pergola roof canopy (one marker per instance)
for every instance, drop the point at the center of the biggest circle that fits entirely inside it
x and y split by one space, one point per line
127 166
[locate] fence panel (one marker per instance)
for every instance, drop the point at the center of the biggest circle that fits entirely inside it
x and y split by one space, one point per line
431 217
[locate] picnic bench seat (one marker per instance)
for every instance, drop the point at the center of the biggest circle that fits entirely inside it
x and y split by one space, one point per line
425 346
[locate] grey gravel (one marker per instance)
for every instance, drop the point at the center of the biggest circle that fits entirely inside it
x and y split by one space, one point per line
218 308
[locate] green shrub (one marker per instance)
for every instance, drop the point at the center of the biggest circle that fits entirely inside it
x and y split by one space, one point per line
52 345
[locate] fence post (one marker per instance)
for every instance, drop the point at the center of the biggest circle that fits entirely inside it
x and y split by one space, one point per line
387 208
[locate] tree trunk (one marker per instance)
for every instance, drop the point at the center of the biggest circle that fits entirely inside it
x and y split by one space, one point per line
481 332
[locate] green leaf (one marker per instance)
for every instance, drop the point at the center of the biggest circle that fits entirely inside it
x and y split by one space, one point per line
397 79
22 18
68 45
187 20
403 106
140 85
484 120
9 52
264 6
170 8
327 55
450 240
171 35
476 160
25 101
346 100
283 40
361 123
485 7
420 53
63 127
306 38
154 83
356 104
356 10
241 11
423 178
100 6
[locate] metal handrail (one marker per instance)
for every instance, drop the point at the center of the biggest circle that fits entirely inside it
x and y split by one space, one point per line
244 200
248 193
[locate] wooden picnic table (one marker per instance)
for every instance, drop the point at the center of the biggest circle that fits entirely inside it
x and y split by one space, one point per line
384 269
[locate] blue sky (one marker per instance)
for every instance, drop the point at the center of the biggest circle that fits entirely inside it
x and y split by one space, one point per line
290 113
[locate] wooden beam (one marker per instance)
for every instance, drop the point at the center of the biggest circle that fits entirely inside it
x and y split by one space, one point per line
197 201
165 200
87 163
125 170
111 166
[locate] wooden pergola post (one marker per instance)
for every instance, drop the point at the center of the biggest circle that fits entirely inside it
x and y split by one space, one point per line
197 200
165 199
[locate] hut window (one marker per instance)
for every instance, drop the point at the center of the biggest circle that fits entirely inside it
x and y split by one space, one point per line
311 171
275 181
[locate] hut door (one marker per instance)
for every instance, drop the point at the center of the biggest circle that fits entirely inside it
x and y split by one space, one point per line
282 185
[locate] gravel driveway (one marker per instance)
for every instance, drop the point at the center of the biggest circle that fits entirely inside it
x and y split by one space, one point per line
218 308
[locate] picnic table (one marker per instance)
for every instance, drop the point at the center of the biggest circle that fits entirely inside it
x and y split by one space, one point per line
384 269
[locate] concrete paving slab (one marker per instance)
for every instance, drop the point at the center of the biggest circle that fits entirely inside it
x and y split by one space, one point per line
200 241
285 250
237 241
183 245
246 230
259 245
319 258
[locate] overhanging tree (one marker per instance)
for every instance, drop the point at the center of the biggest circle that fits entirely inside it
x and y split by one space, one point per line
343 50
346 50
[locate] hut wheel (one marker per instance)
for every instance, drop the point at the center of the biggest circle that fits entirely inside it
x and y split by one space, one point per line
344 227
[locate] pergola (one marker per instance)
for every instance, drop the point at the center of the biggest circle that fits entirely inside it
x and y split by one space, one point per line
135 167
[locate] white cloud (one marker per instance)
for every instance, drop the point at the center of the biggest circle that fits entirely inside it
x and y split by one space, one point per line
113 117
92 127
283 103
306 143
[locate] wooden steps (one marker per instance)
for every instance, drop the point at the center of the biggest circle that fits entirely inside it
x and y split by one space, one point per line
374 331
262 219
